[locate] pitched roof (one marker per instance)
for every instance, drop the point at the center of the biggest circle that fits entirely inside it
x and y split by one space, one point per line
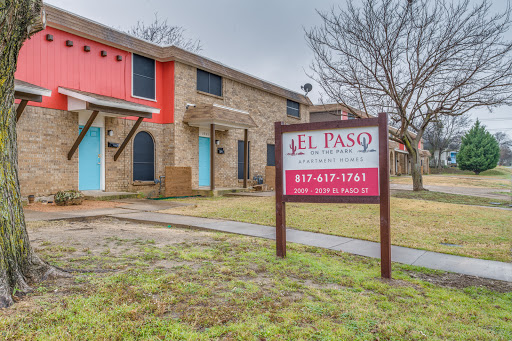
333 107
80 26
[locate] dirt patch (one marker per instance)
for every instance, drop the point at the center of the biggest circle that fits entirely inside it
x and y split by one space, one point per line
459 281
86 205
114 236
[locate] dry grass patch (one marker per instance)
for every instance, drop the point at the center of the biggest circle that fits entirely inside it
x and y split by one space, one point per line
481 232
457 181
223 287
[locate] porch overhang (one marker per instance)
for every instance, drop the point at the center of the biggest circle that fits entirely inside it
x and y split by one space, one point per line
401 151
27 92
79 101
425 153
224 118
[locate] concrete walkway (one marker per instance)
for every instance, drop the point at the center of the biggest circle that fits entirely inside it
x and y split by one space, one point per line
144 211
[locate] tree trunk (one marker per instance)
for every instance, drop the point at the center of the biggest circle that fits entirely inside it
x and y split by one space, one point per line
18 263
439 159
415 157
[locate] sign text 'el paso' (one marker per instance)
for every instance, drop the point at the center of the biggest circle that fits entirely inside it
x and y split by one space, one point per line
337 162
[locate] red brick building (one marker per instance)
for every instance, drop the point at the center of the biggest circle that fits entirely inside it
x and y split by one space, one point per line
107 111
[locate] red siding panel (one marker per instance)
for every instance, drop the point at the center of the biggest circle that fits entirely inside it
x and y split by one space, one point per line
53 64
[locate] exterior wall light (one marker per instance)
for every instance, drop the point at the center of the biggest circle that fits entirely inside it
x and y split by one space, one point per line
87 48
103 53
69 43
119 58
217 142
49 37
110 132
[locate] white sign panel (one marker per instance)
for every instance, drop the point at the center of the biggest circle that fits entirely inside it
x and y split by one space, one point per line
342 161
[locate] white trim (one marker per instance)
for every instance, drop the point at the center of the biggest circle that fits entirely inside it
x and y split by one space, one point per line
401 151
102 159
100 102
231 109
220 125
147 99
99 122
32 90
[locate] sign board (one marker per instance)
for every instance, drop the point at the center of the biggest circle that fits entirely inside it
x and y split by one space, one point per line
334 162
338 162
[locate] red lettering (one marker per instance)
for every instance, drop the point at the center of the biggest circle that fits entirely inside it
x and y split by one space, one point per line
302 141
340 141
311 143
351 140
328 139
359 138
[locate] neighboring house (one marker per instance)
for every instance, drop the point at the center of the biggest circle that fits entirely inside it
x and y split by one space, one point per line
143 111
399 160
448 158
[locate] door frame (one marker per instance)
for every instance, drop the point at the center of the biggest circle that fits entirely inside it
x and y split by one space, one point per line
199 161
99 122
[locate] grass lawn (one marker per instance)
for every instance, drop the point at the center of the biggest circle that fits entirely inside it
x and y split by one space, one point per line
456 180
451 198
216 286
505 193
498 172
482 232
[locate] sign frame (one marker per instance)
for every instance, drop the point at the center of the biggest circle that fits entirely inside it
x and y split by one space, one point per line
383 199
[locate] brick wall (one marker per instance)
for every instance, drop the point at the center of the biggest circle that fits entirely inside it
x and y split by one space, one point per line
45 137
119 174
265 109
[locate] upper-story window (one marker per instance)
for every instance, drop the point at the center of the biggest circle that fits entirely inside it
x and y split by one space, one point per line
351 116
208 82
292 108
143 73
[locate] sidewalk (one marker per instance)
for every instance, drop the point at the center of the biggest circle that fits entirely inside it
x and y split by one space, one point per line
143 211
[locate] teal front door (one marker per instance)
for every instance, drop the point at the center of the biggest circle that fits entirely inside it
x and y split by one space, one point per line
204 161
89 160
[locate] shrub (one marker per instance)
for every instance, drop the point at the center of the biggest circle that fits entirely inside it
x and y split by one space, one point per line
67 198
479 150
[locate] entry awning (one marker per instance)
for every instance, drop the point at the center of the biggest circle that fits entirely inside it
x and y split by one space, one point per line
81 100
30 92
401 151
27 92
223 117
109 106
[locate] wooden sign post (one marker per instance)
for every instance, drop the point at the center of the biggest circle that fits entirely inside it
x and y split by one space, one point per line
334 162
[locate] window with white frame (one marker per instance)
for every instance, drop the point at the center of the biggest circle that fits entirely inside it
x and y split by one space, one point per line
143 77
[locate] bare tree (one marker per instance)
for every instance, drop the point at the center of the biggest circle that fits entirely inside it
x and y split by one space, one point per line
418 59
161 33
445 133
505 144
18 263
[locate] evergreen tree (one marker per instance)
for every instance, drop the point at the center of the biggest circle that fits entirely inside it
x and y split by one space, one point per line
479 150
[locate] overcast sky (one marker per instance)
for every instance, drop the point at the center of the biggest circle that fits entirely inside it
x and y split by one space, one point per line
264 38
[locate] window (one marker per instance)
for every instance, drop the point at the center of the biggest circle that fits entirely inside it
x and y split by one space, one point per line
143 157
143 73
292 108
241 160
208 82
271 154
351 116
